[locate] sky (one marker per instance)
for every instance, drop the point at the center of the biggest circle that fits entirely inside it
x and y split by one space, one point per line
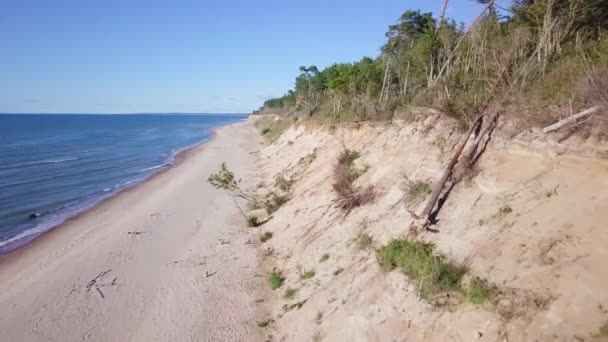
131 56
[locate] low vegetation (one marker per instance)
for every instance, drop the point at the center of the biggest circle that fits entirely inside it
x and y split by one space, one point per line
308 159
324 257
505 210
290 293
350 196
433 273
319 317
265 237
347 160
480 291
252 222
364 241
418 190
225 179
603 332
273 202
276 279
282 183
272 127
307 274
338 271
264 323
298 305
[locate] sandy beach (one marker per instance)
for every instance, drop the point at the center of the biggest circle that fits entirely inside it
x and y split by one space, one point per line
168 260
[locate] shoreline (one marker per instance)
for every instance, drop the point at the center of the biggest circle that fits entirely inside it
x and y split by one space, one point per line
178 157
162 260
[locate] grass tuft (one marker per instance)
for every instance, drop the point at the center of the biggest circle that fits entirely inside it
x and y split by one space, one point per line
271 127
253 222
418 260
604 330
364 241
276 279
505 210
419 190
324 257
298 305
290 293
307 274
480 291
273 202
264 323
347 159
338 271
319 317
265 237
349 196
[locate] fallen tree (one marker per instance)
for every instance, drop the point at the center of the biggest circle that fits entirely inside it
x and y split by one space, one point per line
570 119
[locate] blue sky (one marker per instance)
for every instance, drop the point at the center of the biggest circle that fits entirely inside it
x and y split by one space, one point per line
130 56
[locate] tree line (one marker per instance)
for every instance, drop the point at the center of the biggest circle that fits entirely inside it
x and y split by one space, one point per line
535 54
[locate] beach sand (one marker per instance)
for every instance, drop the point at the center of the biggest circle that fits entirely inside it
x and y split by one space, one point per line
168 260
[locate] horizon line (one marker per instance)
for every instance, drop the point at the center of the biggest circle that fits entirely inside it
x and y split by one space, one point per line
126 113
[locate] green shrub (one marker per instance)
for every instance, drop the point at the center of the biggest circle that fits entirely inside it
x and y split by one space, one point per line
418 260
276 279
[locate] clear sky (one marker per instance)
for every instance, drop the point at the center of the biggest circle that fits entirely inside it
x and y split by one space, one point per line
125 56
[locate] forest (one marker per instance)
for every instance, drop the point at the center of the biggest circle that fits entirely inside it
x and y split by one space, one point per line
536 60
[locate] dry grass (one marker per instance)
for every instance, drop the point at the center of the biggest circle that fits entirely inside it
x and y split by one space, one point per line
349 196
271 127
594 87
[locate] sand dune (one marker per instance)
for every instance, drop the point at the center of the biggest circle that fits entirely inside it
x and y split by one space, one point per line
165 261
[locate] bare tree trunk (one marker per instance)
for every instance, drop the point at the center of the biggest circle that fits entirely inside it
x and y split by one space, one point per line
451 55
445 6
385 80
570 119
438 188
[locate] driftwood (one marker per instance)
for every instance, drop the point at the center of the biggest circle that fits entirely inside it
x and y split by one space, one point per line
438 188
570 119
466 160
490 124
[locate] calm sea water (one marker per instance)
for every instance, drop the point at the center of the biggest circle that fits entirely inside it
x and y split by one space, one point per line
59 165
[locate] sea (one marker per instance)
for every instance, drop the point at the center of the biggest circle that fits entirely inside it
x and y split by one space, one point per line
54 166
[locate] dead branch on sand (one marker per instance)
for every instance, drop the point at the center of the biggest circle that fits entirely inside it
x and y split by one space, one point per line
570 119
466 161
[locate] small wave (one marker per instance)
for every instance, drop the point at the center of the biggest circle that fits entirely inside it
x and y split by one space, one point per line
38 162
58 160
155 167
31 233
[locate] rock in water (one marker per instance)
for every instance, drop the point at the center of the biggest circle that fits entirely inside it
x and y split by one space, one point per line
34 215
